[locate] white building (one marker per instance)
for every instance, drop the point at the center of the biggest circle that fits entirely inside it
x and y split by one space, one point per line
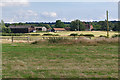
40 28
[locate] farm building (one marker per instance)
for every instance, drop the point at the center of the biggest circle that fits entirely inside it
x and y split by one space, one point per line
67 28
40 28
88 27
21 29
91 27
58 29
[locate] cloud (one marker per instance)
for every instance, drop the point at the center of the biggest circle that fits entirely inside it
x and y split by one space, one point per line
23 16
4 3
62 19
49 14
31 13
26 13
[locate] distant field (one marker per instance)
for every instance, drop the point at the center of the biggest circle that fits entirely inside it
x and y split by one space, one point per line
22 60
7 39
66 33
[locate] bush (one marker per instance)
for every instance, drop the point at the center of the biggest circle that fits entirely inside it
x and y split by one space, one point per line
35 42
88 35
35 34
116 35
47 34
81 35
55 34
103 36
26 34
73 34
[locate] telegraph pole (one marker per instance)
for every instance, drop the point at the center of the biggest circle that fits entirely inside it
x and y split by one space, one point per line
107 25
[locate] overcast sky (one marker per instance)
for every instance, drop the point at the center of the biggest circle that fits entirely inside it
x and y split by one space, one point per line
29 11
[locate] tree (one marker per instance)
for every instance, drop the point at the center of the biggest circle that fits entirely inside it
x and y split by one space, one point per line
48 26
77 25
116 27
3 28
103 25
111 25
59 24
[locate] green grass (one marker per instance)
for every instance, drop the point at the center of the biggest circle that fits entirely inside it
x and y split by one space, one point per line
22 60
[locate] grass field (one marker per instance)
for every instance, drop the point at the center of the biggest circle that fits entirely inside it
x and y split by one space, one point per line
22 60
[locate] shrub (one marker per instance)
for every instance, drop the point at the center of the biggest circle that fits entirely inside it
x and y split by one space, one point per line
116 35
47 34
88 35
81 35
103 36
26 34
55 34
35 42
73 34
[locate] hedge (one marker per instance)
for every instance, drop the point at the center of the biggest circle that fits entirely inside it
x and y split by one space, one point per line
73 34
87 35
35 34
103 36
116 35
50 34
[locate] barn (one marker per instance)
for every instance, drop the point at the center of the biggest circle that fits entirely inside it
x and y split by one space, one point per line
58 29
21 29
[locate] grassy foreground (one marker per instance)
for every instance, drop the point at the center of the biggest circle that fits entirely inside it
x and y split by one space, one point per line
22 60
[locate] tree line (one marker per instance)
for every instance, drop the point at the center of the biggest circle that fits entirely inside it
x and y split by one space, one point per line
75 25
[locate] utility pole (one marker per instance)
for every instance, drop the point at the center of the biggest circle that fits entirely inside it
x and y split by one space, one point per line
107 25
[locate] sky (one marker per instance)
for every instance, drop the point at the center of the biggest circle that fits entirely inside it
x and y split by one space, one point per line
50 11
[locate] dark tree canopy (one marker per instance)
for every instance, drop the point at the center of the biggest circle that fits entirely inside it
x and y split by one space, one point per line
59 24
77 25
73 25
3 28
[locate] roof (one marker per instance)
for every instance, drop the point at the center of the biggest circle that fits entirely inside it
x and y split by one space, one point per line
91 27
40 27
19 26
67 28
59 29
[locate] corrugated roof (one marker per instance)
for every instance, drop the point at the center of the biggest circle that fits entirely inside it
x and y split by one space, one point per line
19 26
59 29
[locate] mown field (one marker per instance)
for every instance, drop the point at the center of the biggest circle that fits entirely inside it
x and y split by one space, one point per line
25 60
66 33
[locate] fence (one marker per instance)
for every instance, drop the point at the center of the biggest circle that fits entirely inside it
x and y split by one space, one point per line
31 38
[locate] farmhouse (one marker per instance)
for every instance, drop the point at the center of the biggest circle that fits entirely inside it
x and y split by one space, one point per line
58 29
40 28
21 28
